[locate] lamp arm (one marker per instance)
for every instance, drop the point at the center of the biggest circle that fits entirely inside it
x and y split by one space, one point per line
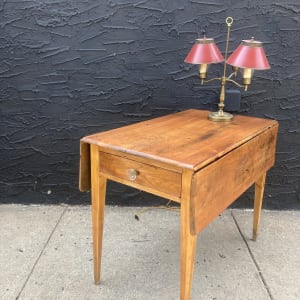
232 74
236 83
227 79
213 79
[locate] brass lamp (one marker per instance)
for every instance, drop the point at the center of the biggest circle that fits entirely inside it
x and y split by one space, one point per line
249 56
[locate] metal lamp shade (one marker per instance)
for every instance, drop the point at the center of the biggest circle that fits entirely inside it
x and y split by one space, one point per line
204 51
249 54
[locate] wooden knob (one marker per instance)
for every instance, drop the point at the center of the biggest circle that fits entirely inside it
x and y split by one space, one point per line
133 174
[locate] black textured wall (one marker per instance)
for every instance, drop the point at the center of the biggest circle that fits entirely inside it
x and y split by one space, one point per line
70 68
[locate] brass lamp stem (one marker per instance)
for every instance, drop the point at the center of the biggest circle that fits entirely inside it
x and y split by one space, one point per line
222 93
220 115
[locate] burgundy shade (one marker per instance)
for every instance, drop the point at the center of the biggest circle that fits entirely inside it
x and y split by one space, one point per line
204 51
249 54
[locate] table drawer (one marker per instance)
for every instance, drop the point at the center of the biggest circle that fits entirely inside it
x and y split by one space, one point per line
144 176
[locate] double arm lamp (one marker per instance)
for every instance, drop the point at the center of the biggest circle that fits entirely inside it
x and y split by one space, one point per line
249 56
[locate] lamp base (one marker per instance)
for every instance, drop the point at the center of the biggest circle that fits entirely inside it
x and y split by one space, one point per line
220 116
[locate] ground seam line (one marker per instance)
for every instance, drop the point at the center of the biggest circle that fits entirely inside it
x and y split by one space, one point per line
41 253
253 258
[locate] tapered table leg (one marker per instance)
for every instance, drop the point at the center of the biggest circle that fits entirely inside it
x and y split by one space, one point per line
188 241
258 199
98 185
187 259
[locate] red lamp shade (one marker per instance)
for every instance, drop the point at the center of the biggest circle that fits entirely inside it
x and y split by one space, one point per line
204 51
249 54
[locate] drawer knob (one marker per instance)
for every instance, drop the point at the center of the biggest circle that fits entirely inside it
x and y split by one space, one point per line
133 174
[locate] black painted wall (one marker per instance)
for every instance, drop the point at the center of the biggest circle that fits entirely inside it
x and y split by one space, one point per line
70 68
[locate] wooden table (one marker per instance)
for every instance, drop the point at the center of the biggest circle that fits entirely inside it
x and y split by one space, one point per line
186 158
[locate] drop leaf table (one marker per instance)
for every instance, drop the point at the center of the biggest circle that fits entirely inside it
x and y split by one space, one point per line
184 157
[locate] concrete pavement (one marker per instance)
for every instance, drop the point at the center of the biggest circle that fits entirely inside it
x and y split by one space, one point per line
46 253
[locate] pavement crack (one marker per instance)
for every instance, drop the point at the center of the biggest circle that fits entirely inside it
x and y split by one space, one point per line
253 258
41 253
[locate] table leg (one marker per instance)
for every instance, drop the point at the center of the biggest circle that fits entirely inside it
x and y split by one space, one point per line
98 188
188 242
258 199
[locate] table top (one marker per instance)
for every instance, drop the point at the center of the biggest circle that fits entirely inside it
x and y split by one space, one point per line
186 139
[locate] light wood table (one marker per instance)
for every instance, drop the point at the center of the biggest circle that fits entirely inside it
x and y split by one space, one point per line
184 157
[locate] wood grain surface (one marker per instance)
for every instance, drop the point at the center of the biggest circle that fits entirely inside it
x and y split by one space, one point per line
186 139
215 187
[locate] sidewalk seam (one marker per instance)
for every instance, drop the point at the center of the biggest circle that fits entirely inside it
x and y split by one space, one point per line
253 258
41 253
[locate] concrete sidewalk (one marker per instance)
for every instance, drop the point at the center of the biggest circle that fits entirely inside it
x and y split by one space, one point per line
46 253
